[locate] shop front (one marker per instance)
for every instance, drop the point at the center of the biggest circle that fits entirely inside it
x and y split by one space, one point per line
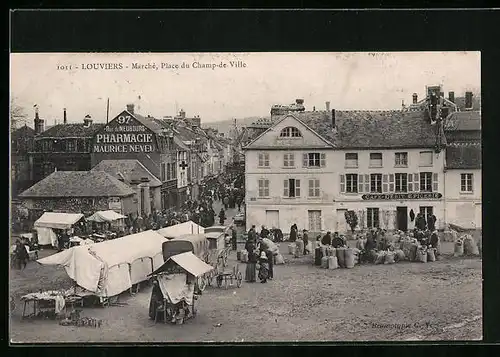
390 211
169 195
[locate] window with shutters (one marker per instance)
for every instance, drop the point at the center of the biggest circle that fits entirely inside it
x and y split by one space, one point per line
361 183
426 182
314 188
263 159
291 188
290 132
401 183
466 183
401 159
376 183
425 158
391 182
376 159
288 160
162 173
372 218
70 145
351 183
351 160
263 188
314 159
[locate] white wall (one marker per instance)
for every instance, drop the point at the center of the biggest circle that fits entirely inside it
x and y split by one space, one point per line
463 208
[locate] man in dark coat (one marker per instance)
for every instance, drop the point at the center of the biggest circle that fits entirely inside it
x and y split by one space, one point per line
264 232
222 216
293 233
305 239
431 222
252 234
337 241
278 235
420 222
327 238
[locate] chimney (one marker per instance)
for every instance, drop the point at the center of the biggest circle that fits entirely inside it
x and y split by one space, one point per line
327 104
182 114
451 97
333 118
415 98
130 108
468 100
65 120
196 121
314 108
87 121
39 123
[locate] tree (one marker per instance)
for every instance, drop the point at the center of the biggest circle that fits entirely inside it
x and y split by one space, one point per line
17 115
351 219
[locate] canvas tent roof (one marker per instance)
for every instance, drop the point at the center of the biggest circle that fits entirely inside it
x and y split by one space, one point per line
58 220
177 230
189 262
105 216
97 267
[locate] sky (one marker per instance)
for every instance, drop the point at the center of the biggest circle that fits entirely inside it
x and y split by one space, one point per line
355 81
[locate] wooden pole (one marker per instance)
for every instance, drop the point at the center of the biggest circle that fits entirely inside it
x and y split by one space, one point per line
107 112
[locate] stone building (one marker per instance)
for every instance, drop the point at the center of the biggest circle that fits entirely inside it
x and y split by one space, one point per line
21 145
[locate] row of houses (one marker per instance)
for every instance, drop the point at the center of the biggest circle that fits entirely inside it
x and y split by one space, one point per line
133 164
310 167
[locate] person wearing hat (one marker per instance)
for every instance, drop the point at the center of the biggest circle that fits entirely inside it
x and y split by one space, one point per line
305 239
264 267
264 232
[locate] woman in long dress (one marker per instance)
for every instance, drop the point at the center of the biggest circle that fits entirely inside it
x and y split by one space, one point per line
252 261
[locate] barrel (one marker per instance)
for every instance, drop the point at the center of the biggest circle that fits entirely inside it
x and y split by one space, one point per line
349 258
317 256
332 262
324 262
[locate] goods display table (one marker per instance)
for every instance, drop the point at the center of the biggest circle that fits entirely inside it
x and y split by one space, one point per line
47 303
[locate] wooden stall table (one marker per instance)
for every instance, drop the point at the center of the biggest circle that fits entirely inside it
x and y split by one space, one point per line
49 301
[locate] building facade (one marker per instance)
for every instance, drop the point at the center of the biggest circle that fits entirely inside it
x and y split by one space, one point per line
22 140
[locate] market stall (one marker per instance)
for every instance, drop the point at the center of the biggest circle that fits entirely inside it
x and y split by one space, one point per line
48 225
177 230
108 268
107 223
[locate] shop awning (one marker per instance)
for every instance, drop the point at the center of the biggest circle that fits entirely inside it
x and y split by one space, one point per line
189 262
105 216
58 220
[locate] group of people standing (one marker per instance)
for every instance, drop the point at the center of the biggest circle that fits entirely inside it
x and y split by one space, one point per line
259 252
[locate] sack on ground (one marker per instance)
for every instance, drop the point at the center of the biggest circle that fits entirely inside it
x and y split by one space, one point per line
324 262
317 256
349 258
421 255
279 259
340 257
470 246
330 251
356 252
431 255
309 247
332 262
360 244
459 248
300 245
413 252
399 255
380 257
291 249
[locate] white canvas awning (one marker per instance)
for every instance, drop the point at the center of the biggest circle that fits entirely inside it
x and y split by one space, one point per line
177 230
105 216
192 263
58 220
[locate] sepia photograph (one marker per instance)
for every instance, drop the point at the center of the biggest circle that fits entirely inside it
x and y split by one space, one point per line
245 197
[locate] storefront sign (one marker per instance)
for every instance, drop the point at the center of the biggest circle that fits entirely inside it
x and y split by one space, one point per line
124 135
402 196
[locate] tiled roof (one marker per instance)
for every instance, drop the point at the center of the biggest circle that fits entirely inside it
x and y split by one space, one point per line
465 156
464 121
383 129
319 121
149 122
129 170
78 184
476 102
71 130
24 131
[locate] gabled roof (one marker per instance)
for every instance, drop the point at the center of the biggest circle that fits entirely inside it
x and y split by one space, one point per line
383 129
149 122
128 170
78 184
464 121
463 156
71 130
22 132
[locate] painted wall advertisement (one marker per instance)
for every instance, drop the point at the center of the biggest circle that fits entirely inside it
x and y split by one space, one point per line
124 135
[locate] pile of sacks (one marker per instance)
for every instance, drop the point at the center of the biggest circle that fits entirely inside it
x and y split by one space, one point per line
466 246
297 248
413 251
333 258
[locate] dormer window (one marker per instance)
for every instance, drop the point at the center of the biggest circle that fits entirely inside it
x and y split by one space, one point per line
290 132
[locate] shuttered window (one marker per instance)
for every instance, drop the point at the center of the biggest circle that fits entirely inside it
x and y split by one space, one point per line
435 182
410 182
385 185
314 188
351 183
342 183
360 183
391 182
322 160
263 188
425 158
367 183
305 160
416 182
291 188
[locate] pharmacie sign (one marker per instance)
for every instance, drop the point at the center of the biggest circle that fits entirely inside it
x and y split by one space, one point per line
402 196
124 135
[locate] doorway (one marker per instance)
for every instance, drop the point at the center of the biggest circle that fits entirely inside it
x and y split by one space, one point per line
314 218
402 218
272 219
341 222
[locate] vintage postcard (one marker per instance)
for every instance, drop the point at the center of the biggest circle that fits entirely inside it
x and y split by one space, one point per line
245 197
